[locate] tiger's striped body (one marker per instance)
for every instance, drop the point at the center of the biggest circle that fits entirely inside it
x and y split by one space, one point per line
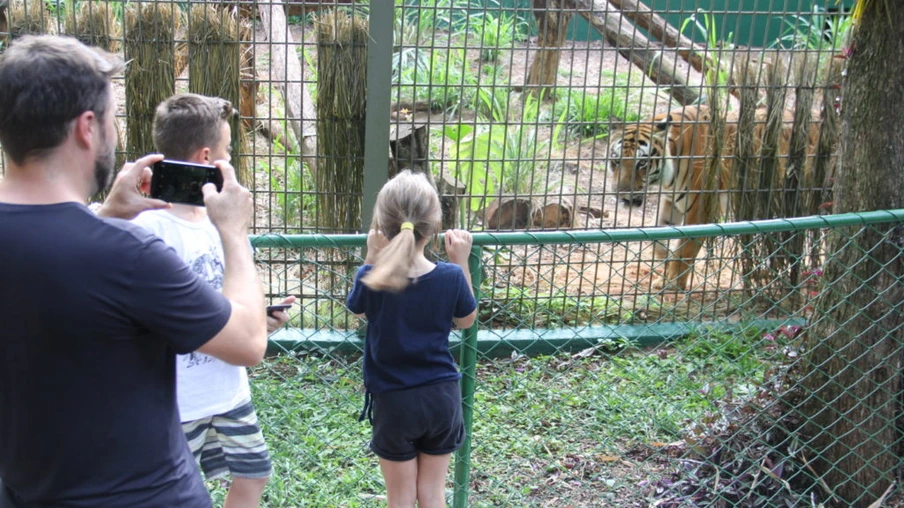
670 151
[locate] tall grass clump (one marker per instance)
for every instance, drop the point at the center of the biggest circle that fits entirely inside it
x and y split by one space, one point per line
215 67
27 17
341 109
149 34
95 24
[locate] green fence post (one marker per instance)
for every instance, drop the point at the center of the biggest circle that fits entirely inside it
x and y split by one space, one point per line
379 91
468 363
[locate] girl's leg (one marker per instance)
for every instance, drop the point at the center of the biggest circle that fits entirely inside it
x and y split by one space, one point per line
431 480
401 482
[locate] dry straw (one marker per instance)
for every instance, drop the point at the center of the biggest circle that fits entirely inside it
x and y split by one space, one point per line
149 34
341 107
94 23
823 173
215 67
27 17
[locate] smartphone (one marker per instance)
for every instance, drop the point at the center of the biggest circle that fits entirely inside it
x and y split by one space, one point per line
181 182
275 308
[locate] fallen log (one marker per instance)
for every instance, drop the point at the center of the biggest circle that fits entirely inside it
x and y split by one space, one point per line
285 73
637 48
516 212
661 29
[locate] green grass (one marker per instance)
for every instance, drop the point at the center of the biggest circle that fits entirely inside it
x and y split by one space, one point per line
588 115
535 419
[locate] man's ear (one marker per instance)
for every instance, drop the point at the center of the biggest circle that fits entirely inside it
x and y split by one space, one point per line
84 127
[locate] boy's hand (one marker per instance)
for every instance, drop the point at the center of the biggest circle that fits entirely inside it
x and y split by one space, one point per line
230 209
127 195
376 240
458 246
276 320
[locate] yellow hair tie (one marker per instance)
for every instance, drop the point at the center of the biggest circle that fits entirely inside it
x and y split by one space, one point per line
406 225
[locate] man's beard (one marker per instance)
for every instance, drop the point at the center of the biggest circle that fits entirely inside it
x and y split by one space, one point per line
103 167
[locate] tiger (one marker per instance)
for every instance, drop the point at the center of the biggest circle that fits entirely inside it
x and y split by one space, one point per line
669 150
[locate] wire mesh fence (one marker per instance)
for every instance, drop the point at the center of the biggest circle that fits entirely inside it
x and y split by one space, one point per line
526 116
578 396
613 365
541 115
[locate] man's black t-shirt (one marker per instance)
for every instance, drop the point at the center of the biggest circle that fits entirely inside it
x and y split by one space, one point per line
92 314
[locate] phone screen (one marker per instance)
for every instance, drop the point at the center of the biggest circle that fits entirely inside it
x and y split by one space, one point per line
181 182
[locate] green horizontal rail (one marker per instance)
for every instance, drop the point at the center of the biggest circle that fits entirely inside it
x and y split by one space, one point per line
272 241
497 343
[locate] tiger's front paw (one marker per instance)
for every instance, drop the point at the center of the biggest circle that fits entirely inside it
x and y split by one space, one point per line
661 283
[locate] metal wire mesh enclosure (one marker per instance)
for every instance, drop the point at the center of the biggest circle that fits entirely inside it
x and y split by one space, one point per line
649 183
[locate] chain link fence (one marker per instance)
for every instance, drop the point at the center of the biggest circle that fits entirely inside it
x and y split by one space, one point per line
576 395
614 363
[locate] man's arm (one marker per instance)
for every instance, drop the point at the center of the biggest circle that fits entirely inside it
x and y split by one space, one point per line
243 341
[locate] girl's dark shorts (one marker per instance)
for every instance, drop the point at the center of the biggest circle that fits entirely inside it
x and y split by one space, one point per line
425 419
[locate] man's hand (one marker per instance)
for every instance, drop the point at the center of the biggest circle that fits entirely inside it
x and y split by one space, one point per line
127 197
376 240
458 247
230 209
279 317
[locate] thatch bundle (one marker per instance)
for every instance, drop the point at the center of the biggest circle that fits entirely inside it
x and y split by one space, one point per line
214 67
94 23
341 109
27 17
180 60
823 173
148 42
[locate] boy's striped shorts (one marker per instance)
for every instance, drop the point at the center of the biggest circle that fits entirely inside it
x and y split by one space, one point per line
230 442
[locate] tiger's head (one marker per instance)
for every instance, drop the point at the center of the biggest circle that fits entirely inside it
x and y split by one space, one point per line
639 157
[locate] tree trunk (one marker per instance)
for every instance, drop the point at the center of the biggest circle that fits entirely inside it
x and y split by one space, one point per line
552 22
854 368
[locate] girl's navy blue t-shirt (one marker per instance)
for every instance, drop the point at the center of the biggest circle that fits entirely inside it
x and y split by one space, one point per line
407 341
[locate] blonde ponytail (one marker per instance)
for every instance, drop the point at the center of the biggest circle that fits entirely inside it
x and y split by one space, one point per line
407 212
390 270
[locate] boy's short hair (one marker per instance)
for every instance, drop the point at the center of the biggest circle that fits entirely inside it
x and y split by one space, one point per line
188 122
48 81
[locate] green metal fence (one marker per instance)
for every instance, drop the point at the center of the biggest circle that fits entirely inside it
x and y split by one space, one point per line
573 397
590 381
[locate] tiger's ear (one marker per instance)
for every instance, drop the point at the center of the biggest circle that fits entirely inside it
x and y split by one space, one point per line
616 123
664 124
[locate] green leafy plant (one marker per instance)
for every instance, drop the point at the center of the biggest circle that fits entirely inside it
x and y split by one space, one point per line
417 22
716 74
291 187
816 31
496 159
491 99
442 78
492 33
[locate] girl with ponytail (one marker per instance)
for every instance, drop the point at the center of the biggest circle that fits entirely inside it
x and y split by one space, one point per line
413 398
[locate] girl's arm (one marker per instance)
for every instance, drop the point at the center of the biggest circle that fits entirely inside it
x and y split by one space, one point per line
458 247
